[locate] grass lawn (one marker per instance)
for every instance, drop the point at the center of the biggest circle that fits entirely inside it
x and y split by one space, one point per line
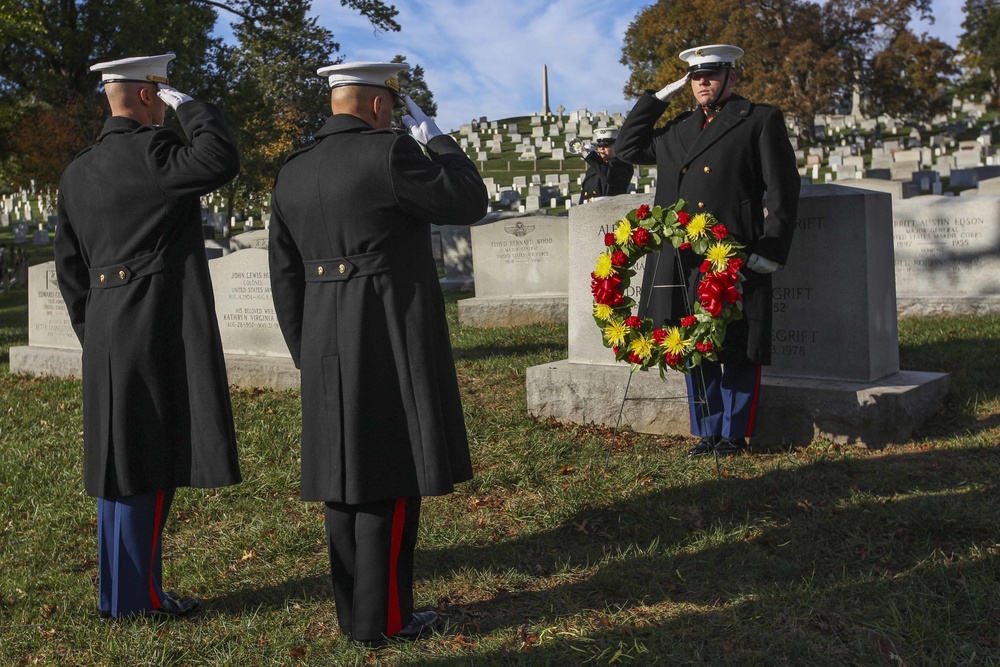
556 554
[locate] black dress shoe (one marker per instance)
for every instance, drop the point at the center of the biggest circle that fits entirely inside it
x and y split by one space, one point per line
174 606
423 623
705 446
731 446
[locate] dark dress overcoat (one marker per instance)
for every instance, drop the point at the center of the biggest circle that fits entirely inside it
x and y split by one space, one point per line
739 166
605 179
130 261
358 299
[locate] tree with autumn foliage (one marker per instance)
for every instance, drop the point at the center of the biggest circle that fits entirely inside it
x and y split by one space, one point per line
979 45
803 57
266 84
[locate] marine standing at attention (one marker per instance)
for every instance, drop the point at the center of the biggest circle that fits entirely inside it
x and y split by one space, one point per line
730 157
357 296
131 266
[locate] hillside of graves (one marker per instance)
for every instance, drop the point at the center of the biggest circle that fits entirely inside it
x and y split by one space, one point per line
528 169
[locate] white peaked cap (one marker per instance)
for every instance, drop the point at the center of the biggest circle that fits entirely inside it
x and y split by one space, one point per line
151 69
711 57
605 135
381 75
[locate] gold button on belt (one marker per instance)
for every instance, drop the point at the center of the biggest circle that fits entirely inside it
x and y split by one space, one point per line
319 270
342 269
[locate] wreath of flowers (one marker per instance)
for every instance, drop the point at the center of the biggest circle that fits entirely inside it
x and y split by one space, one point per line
700 335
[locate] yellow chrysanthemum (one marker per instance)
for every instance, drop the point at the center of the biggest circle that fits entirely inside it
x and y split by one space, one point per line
674 342
623 232
718 254
615 332
697 227
604 267
603 312
642 347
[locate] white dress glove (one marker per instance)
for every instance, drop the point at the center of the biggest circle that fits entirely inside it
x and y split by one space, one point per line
670 91
422 128
761 264
587 148
172 96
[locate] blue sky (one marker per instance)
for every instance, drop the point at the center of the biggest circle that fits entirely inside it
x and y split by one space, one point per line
485 58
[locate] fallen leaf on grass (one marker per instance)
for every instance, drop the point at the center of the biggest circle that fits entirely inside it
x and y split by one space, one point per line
459 642
566 470
49 609
298 652
805 505
727 645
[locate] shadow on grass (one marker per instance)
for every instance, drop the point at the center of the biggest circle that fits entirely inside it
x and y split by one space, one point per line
839 546
251 598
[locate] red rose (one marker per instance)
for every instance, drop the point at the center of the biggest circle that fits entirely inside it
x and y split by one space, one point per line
634 358
735 263
683 218
618 258
704 347
641 236
672 359
659 335
684 246
633 321
688 321
720 231
705 267
642 213
615 350
609 239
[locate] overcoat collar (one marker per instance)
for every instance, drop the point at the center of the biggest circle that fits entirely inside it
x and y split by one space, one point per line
343 122
119 124
696 140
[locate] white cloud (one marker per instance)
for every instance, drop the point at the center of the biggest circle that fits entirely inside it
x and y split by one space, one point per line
484 58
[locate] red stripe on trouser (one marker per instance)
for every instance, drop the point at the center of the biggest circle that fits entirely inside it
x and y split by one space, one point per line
157 527
394 623
753 404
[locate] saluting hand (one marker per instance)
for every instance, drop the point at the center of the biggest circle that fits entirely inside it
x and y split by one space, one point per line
670 91
422 128
172 96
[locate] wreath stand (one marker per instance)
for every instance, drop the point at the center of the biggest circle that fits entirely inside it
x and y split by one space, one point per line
697 372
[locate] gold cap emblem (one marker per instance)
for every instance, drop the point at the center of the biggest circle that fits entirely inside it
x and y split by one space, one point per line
392 84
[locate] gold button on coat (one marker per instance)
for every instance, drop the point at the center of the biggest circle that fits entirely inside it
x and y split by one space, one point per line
684 170
103 278
319 270
701 204
121 274
342 269
708 170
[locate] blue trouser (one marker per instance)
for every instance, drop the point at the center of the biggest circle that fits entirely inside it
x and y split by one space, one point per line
727 406
129 532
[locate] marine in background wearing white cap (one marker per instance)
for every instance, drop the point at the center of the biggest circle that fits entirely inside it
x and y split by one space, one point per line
358 299
606 175
131 266
730 157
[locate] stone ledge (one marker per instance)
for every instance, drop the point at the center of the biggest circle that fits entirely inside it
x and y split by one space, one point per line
933 306
792 411
243 370
513 311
